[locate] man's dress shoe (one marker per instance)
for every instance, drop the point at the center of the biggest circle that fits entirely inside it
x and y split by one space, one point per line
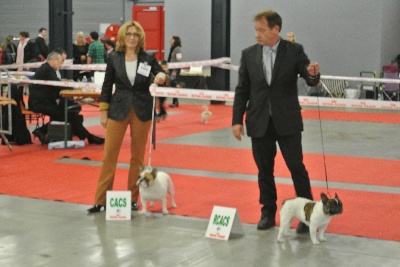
302 228
266 223
42 137
95 140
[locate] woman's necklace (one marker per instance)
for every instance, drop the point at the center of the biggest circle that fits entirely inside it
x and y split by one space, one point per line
131 57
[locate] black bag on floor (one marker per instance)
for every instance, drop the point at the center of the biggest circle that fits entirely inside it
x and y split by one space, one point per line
55 131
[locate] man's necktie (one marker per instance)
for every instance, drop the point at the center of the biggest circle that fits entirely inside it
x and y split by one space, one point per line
268 64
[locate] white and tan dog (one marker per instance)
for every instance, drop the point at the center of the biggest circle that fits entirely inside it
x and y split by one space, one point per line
316 215
153 186
205 115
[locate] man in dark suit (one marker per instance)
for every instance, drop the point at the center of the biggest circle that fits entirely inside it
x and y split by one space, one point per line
41 49
267 93
46 99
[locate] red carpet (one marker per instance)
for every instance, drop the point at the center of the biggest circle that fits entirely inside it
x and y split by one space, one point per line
30 171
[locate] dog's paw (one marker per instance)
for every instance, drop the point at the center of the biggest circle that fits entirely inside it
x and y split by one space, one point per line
322 239
287 234
315 242
173 204
165 212
142 212
280 240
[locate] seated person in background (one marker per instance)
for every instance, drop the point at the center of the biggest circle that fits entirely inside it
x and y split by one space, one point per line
46 99
63 54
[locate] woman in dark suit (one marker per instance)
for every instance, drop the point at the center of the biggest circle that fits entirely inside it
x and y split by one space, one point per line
129 68
79 51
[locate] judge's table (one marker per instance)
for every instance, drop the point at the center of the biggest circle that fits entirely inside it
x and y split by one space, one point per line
82 97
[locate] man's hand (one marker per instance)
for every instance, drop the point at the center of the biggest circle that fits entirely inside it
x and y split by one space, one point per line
238 131
313 69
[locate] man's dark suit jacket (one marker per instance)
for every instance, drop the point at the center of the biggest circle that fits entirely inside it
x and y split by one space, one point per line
125 94
254 96
42 95
41 48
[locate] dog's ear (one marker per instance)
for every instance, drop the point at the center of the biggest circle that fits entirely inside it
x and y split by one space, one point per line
336 196
154 173
324 198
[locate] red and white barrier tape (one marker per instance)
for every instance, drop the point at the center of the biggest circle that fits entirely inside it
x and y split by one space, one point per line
22 73
102 67
226 95
376 80
220 95
192 93
212 62
88 86
348 103
304 100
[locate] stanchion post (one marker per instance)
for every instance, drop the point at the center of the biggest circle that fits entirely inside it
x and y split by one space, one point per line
220 44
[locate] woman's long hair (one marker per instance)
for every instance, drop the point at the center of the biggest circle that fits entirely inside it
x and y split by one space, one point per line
121 46
177 42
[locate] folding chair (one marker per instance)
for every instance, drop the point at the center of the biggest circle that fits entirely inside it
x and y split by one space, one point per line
369 87
391 91
335 88
32 116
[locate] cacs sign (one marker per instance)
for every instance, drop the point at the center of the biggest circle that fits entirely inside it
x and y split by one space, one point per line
118 205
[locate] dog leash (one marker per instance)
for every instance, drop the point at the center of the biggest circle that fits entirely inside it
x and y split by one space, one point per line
322 143
323 146
152 128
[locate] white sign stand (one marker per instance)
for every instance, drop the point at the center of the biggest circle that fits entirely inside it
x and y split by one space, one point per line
223 222
118 207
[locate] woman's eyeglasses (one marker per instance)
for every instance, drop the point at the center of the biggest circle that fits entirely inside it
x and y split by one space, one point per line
134 35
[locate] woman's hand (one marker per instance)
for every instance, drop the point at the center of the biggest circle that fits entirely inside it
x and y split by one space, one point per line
160 78
104 118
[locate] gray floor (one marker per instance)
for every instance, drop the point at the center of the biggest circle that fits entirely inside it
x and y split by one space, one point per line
49 233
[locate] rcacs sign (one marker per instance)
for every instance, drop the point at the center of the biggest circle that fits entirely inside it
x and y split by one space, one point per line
223 222
118 206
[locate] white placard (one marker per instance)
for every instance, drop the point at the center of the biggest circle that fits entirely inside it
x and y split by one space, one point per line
118 207
223 222
99 77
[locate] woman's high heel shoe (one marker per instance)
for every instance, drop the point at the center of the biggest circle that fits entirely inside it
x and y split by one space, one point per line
161 117
96 208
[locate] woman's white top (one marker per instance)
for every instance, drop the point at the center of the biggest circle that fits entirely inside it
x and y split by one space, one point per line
131 67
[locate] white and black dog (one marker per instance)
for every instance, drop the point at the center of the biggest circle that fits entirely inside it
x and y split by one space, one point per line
314 214
154 185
